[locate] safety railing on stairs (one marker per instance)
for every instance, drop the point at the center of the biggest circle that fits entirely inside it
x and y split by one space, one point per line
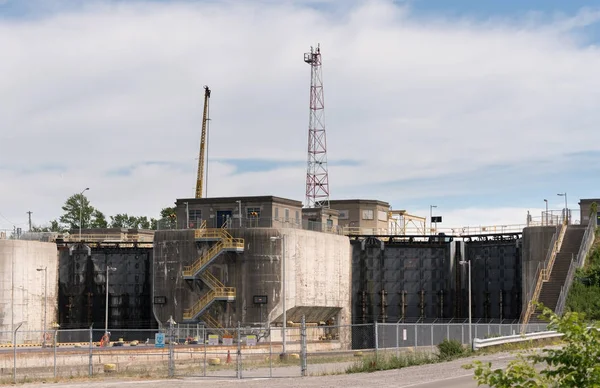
543 274
206 300
578 262
211 280
212 233
214 251
213 323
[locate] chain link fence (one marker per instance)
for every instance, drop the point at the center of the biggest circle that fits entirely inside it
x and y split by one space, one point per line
238 352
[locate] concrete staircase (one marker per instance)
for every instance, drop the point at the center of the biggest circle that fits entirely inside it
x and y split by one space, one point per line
551 289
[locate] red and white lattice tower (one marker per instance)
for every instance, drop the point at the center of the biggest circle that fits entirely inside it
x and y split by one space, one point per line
317 179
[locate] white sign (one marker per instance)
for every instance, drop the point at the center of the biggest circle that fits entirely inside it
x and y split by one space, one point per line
159 340
251 340
213 339
227 341
404 337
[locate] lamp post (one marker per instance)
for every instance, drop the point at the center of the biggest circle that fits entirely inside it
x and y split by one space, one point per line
545 200
468 263
282 238
239 202
81 210
566 206
431 217
108 268
45 269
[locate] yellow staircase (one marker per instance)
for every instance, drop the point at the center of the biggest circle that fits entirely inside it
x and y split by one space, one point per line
543 276
218 291
212 323
224 243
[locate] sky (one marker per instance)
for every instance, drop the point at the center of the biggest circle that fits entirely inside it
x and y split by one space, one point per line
481 108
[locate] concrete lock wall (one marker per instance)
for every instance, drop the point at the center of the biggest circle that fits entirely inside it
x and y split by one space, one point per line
317 276
22 288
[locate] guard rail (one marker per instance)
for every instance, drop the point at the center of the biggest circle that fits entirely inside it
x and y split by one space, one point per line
509 339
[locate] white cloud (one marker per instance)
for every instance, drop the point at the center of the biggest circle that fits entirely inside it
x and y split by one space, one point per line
108 87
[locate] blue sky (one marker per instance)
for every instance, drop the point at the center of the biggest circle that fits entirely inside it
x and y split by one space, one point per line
483 108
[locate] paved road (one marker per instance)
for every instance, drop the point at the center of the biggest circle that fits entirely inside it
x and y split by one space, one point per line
443 375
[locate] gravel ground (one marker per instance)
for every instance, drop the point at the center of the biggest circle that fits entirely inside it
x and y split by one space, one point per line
434 374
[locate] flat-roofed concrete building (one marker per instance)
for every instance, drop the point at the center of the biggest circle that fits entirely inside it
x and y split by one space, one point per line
257 211
365 216
585 208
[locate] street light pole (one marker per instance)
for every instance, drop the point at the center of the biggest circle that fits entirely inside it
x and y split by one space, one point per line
566 206
108 268
239 202
545 200
81 210
468 263
187 215
45 269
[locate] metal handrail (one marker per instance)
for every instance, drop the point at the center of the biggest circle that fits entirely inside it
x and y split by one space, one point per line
215 250
544 273
211 280
206 299
212 233
586 244
112 237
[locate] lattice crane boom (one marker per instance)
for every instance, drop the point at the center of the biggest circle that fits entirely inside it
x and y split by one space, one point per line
205 118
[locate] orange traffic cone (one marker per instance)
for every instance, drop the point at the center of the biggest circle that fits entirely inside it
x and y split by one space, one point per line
228 357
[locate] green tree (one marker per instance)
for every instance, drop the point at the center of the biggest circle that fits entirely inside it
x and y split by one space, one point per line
168 219
77 206
131 222
53 226
575 364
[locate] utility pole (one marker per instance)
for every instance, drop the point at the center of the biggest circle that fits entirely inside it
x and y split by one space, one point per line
29 213
317 176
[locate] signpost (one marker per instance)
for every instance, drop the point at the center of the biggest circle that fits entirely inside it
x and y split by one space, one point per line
159 340
250 340
213 339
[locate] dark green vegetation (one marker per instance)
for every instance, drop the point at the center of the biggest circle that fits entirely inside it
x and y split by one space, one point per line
78 208
584 295
572 365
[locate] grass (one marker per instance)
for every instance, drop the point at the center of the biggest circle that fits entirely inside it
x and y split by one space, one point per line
376 363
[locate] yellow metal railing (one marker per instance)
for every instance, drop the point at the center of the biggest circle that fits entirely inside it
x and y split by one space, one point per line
213 323
211 280
212 233
543 276
215 249
113 237
206 299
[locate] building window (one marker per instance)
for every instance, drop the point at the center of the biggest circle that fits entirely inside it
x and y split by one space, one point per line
367 214
195 219
287 215
276 213
297 217
253 212
343 214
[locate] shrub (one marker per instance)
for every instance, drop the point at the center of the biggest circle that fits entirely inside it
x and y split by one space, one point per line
450 349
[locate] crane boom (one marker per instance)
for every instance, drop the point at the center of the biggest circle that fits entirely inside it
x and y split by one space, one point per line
205 119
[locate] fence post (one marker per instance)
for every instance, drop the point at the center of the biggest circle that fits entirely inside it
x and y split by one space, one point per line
397 339
55 346
91 365
15 353
432 336
462 333
270 353
303 354
238 363
447 331
376 340
171 348
416 337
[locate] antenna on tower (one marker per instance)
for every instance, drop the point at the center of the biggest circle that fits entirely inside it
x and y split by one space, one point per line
317 178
